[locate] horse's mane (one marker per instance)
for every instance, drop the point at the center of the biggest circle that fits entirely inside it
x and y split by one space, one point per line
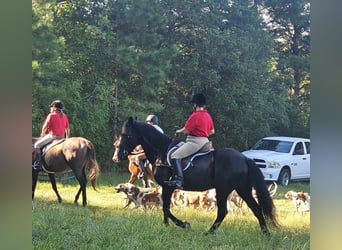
155 143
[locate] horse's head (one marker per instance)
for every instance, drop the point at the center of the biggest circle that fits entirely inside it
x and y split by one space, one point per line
130 138
116 143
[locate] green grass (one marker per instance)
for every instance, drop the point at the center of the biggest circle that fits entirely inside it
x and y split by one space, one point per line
105 224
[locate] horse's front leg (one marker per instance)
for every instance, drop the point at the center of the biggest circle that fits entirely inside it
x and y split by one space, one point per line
166 194
34 181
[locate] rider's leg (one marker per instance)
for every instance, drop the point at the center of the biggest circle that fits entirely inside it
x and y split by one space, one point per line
142 167
37 147
38 162
178 176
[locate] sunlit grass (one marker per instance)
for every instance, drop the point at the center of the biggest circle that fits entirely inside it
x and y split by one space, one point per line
104 224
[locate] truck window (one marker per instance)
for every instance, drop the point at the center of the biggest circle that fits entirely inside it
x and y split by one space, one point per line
299 149
307 145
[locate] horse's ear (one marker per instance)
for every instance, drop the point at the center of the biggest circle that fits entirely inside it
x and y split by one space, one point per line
130 121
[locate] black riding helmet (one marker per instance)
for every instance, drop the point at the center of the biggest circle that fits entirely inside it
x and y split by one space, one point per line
57 104
198 99
152 118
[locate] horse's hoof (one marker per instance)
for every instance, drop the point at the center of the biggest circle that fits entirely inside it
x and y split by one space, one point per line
266 233
209 232
187 226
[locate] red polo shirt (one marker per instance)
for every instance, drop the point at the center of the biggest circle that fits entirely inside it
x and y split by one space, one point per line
56 124
199 123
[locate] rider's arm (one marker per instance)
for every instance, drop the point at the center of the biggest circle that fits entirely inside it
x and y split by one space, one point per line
45 126
182 131
44 129
67 132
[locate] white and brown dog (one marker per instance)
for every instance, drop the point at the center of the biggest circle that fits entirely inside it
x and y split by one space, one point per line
145 197
299 199
208 199
235 198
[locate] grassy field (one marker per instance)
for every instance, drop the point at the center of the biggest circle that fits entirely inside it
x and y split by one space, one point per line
105 224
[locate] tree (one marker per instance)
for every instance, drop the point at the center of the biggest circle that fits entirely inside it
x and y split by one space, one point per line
108 60
47 67
289 22
225 52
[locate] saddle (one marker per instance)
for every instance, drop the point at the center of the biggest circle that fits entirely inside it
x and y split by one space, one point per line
48 146
206 150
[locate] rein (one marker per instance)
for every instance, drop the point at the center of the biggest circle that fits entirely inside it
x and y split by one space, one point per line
136 153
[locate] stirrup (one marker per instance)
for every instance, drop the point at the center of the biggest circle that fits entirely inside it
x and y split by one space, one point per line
174 183
37 166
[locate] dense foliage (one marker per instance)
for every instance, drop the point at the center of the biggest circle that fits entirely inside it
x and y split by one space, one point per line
108 60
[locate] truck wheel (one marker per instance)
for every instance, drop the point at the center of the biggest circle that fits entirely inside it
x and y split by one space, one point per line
284 177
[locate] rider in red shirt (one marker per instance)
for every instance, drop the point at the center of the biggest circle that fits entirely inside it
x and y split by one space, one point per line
198 127
56 126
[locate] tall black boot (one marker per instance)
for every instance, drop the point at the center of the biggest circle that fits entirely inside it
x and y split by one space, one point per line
37 165
178 178
144 172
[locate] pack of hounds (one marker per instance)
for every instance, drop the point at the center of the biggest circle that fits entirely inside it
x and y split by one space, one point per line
149 198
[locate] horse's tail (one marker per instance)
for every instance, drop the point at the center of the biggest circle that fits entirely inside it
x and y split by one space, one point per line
92 164
264 199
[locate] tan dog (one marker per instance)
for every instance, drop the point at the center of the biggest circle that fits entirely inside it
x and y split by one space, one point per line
299 199
145 197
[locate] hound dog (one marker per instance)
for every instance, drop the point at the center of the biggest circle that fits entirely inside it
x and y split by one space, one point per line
235 198
299 199
194 199
208 199
145 197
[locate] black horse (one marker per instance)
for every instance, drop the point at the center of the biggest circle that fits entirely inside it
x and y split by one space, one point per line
224 169
76 154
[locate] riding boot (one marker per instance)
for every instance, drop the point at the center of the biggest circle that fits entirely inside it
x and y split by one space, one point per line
178 178
144 174
37 165
143 169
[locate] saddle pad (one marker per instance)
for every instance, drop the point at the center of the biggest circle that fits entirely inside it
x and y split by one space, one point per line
53 143
168 156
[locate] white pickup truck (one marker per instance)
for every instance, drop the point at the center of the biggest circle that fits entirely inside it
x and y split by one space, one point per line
282 159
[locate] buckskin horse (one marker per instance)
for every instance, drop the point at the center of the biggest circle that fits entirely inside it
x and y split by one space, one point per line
75 153
133 166
224 169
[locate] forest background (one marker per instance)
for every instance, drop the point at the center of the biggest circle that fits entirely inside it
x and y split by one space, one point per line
111 59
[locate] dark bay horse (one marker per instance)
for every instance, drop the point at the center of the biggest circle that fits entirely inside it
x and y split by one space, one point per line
224 169
133 166
75 153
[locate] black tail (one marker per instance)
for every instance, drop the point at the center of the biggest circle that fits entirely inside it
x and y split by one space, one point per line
264 199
